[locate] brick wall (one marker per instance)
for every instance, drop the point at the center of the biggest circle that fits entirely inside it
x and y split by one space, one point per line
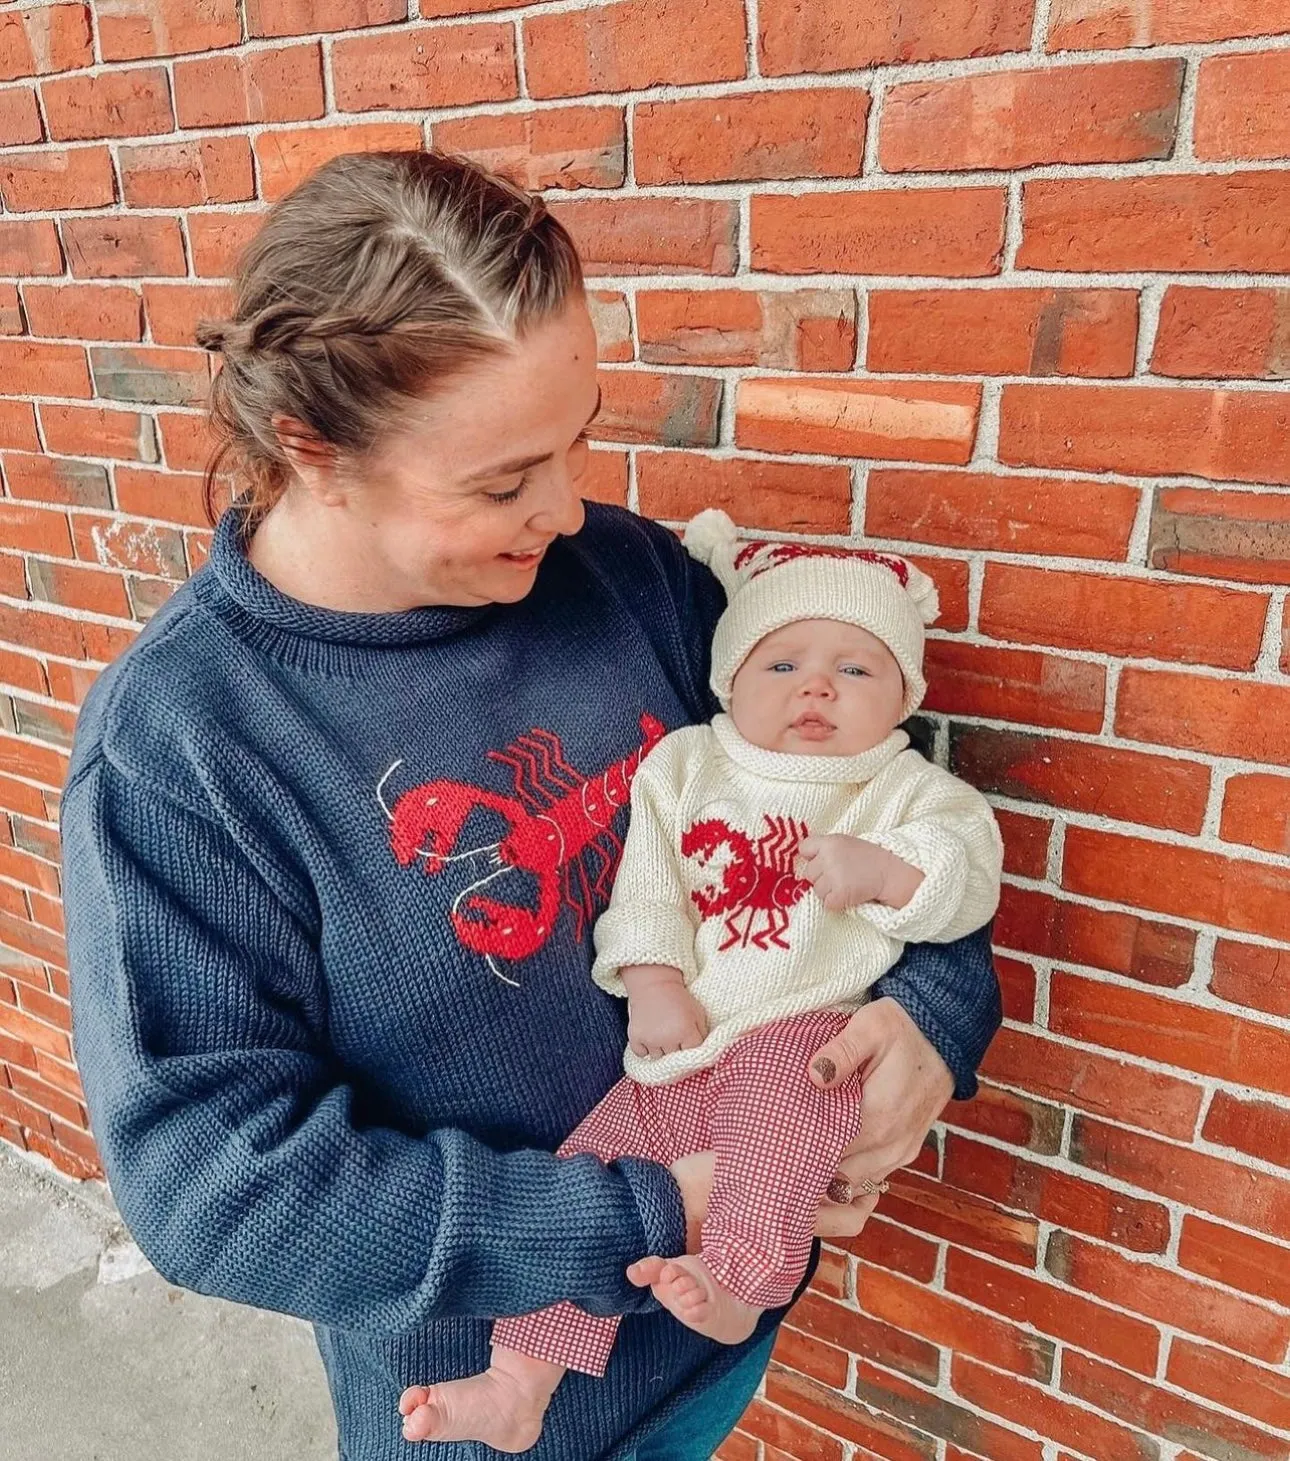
1003 283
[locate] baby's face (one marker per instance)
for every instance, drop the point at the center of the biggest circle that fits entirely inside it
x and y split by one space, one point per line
818 687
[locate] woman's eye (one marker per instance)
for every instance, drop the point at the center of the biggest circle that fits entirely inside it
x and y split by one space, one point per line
508 496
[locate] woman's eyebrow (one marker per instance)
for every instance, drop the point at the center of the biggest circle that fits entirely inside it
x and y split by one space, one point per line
522 464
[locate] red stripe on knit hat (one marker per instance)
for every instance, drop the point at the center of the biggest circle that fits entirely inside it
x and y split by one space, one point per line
781 553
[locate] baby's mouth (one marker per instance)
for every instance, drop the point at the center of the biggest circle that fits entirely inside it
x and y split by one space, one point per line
813 725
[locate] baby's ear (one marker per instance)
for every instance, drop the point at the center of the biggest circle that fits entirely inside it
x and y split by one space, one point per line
923 592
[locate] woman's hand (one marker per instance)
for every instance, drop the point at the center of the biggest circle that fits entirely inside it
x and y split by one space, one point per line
906 1085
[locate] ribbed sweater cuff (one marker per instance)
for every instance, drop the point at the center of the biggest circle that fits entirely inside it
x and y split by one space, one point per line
658 1200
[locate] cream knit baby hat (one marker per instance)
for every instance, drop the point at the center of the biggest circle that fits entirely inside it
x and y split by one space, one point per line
770 584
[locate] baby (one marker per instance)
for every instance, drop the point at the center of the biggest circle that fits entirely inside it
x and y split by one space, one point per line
776 862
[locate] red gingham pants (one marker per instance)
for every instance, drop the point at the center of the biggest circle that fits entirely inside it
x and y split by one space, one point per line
777 1141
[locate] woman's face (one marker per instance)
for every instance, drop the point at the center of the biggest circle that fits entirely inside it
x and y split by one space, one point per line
459 505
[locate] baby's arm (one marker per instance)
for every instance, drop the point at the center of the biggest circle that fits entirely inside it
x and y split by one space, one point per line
645 940
932 878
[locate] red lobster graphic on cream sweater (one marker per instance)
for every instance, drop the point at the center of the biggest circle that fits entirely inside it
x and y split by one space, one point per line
707 882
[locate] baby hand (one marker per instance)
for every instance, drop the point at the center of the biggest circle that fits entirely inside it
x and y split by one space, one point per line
662 1014
844 871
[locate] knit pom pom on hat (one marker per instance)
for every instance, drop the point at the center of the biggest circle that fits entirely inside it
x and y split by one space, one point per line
770 584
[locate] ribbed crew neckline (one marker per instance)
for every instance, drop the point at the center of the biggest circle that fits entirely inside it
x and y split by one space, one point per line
789 766
236 589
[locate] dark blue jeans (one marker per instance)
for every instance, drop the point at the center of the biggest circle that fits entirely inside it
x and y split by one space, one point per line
699 1427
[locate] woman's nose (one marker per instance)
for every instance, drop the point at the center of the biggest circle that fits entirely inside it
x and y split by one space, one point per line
560 512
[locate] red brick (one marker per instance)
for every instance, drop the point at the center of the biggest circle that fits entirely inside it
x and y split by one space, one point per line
48 1098
151 376
435 9
19 116
950 575
57 480
174 310
1102 780
1253 976
605 479
83 311
1166 222
30 1031
1250 1389
44 39
1123 616
653 235
803 1441
796 329
952 233
1067 1316
216 240
1082 1078
130 29
1039 332
1198 1039
1221 717
912 1308
1025 842
305 17
99 432
896 420
835 35
797 1351
447 66
70 684
1149 430
163 495
34 369
29 246
1054 1196
1102 24
186 440
18 426
1244 896
1236 1259
287 158
932 1413
1121 111
22 672
1010 684
1164 1413
14 584
138 547
817 133
563 147
34 1121
850 1330
963 1218
282 85
181 174
78 588
1243 106
774 496
124 248
633 45
1239 535
891 1247
1223 333
45 182
647 406
34 529
1235 1191
1009 1117
827 1410
130 103
11 320
1088 1433
1256 812
1045 515
736 1446
1257 1128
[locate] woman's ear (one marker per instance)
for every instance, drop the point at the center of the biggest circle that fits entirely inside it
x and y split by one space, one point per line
313 459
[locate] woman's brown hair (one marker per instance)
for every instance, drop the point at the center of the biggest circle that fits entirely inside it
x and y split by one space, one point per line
378 276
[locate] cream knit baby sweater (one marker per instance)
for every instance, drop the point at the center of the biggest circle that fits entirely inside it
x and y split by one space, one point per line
707 881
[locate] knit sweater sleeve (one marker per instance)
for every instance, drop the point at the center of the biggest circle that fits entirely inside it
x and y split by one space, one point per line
648 919
235 1146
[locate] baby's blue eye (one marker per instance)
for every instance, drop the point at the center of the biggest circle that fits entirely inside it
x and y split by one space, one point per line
782 666
858 671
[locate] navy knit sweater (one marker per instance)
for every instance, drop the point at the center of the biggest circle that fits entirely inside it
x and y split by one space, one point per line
329 883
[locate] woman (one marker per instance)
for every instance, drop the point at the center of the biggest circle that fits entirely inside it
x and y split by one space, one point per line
338 824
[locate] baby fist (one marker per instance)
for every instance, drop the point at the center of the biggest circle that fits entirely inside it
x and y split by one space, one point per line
844 871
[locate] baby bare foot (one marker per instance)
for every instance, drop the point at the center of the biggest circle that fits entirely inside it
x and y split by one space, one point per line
503 1407
686 1288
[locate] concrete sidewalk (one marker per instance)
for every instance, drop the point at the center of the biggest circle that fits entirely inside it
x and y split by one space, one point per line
102 1360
